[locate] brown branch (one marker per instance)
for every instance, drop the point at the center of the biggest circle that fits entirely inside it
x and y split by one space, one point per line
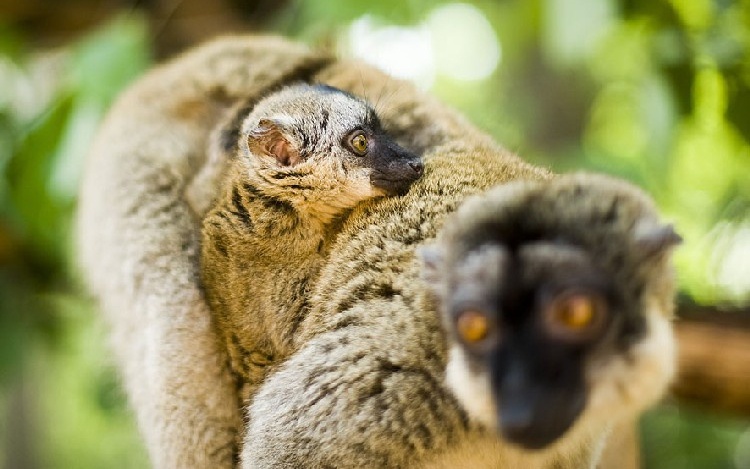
714 359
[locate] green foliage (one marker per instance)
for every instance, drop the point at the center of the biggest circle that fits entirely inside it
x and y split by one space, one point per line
678 438
47 333
655 92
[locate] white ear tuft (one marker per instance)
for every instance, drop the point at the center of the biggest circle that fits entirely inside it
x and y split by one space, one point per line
654 239
432 262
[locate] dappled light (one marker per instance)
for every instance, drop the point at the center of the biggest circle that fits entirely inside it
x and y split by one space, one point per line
657 93
455 41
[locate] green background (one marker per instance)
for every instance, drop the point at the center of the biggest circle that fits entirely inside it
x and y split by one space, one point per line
657 92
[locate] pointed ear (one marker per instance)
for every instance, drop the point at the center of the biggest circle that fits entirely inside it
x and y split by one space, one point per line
655 239
269 140
432 262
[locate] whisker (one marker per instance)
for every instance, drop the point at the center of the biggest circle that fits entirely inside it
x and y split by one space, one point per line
362 83
394 89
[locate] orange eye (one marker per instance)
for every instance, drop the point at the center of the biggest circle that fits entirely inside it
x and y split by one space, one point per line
472 326
359 144
576 314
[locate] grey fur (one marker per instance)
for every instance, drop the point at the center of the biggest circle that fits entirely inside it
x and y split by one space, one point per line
367 387
372 338
578 232
139 241
146 185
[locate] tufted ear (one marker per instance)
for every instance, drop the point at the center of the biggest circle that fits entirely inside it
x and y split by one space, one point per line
655 239
268 139
432 263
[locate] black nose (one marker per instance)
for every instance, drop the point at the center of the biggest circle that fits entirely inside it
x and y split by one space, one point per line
418 167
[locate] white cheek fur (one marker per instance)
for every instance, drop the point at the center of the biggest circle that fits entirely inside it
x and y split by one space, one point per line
620 387
471 389
623 386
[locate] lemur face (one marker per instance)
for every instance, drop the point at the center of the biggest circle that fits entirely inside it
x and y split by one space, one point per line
323 139
393 168
528 321
543 288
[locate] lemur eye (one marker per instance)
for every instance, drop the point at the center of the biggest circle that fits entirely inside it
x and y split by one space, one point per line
472 326
358 143
575 315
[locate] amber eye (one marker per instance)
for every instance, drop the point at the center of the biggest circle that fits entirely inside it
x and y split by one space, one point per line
472 326
575 315
359 143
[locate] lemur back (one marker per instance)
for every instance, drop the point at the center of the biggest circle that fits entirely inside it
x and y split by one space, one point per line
373 384
138 240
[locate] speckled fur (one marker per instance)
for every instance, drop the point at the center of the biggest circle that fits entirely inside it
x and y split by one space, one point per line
628 370
366 387
361 388
139 240
138 225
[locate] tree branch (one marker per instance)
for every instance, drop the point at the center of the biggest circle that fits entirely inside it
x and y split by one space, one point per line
714 358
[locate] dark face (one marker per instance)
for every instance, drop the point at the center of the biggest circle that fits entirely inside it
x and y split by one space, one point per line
394 168
530 317
539 284
321 124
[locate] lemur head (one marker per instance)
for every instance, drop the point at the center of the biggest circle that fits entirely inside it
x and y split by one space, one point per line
323 150
557 297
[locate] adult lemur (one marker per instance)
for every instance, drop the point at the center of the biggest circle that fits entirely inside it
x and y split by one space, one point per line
557 294
373 319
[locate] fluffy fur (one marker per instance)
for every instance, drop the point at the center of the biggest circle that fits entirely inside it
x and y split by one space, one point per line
628 366
368 385
138 225
365 384
139 241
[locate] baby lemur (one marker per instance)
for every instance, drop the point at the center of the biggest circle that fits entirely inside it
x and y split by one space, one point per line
300 158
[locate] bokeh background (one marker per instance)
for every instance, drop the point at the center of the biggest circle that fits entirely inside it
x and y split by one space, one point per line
655 91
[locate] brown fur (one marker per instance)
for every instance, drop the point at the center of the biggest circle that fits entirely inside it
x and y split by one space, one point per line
140 204
258 255
372 322
138 241
367 386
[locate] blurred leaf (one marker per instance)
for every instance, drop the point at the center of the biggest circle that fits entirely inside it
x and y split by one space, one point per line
695 14
12 43
338 12
14 332
36 214
46 332
678 438
87 403
569 41
110 58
